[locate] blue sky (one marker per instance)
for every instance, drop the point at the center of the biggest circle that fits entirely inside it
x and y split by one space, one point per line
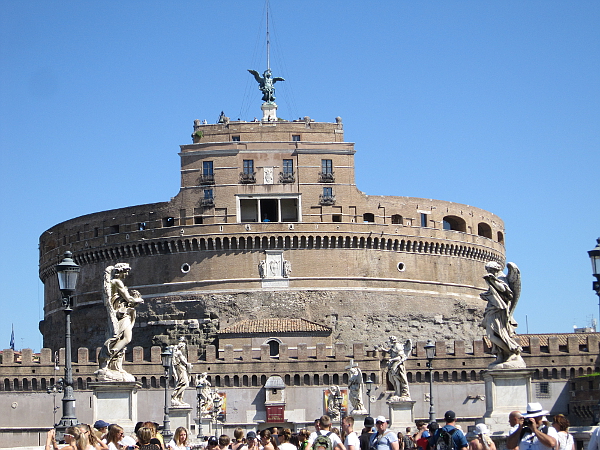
492 104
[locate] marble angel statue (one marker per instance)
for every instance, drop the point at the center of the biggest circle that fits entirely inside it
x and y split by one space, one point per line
120 305
181 373
502 297
396 371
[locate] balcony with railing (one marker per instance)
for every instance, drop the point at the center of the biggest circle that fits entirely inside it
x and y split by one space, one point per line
327 199
326 177
207 202
206 179
247 178
287 177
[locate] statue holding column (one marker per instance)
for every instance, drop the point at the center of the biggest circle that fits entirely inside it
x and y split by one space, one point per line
120 305
355 388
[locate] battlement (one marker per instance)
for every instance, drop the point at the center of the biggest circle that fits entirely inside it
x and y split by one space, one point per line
303 129
554 356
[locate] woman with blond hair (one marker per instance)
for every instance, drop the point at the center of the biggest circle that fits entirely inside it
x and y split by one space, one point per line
180 440
94 442
75 438
115 434
565 440
144 436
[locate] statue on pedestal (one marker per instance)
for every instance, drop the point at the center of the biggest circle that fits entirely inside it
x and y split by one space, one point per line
181 373
502 297
333 407
265 84
396 370
206 393
355 385
120 306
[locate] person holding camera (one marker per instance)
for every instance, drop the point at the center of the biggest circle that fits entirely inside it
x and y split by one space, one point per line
531 433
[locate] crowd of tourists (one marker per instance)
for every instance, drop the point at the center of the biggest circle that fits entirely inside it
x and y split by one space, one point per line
529 431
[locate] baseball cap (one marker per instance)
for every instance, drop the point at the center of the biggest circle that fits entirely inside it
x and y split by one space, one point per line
101 424
450 416
380 419
213 441
251 435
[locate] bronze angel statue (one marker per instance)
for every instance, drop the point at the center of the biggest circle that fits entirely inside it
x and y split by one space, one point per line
502 297
266 84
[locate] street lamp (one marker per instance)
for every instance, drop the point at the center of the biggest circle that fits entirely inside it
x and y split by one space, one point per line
369 384
67 272
55 389
167 359
595 258
430 354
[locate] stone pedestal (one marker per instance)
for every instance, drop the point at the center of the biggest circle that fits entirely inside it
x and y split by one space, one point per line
506 390
269 110
115 402
401 414
180 416
204 428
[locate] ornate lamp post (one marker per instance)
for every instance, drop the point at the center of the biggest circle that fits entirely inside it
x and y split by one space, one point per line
167 360
369 384
55 389
430 354
67 272
595 258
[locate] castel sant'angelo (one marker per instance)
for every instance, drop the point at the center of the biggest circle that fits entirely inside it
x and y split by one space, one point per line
269 223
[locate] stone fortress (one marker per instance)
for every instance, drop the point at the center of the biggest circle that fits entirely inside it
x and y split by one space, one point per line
269 223
280 275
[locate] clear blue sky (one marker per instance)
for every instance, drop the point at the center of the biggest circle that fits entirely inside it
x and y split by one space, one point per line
492 104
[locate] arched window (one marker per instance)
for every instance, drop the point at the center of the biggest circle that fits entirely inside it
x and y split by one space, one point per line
296 380
483 229
245 380
501 237
397 219
273 347
307 380
454 223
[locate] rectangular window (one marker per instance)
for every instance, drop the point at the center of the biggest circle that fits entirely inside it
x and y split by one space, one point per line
296 137
207 168
208 194
288 166
235 138
424 219
248 167
326 166
327 192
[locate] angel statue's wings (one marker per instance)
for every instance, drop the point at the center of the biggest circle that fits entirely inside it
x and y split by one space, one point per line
514 282
257 76
278 79
407 348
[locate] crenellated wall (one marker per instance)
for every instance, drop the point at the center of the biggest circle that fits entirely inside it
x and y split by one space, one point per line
552 357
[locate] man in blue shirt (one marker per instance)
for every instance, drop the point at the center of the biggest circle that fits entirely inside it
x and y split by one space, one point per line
460 441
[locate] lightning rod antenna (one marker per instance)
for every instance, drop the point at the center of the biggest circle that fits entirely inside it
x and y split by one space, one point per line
268 41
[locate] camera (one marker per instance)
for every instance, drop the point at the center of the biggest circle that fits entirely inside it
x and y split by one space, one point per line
529 422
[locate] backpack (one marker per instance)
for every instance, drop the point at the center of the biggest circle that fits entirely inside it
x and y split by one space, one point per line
445 440
323 442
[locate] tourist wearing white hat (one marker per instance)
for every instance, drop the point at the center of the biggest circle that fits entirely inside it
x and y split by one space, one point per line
383 439
532 434
482 439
